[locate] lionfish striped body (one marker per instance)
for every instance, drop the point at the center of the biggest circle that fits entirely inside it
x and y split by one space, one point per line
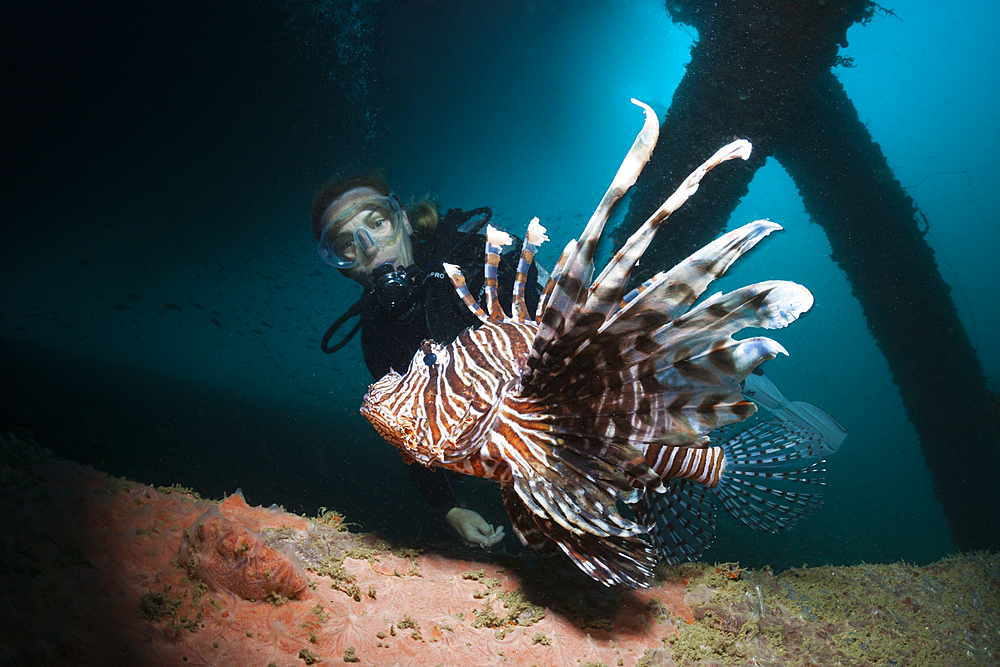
604 396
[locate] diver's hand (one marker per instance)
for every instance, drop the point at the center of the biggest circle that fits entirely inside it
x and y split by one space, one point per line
473 528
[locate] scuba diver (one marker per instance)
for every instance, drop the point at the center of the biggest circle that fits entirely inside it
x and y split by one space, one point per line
396 254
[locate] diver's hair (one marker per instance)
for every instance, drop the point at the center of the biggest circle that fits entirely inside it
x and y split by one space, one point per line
423 215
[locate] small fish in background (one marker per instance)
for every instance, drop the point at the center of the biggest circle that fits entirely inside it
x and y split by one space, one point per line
172 306
84 262
198 305
134 297
215 321
605 397
122 306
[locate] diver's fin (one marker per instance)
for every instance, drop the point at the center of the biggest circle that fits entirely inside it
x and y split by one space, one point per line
770 470
808 415
681 520
763 392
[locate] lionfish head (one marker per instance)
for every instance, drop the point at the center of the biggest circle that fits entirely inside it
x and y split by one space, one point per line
403 408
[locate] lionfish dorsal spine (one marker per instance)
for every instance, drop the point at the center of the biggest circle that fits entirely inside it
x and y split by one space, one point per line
606 292
646 284
462 288
568 286
675 290
495 239
533 238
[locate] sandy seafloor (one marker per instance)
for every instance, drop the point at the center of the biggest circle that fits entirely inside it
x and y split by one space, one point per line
100 570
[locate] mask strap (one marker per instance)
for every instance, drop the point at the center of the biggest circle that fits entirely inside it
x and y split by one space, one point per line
366 297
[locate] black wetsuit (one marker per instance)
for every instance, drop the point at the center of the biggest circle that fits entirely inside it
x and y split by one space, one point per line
390 339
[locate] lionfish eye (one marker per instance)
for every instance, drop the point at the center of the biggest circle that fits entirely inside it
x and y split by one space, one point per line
430 359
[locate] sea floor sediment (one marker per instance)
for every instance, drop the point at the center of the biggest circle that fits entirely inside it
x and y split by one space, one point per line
103 570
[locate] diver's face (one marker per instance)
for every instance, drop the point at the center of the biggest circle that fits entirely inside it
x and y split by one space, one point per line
363 230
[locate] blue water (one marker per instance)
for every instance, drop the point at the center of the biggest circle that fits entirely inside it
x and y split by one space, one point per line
162 298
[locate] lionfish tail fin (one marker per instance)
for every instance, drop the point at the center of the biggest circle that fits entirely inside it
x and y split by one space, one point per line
674 291
681 520
772 475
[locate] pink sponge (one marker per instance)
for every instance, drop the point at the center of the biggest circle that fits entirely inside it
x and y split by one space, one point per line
230 557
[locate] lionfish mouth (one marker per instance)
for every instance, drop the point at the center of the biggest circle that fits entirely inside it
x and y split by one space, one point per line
382 422
376 411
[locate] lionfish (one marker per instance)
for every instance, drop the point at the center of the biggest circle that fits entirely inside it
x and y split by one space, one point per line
604 396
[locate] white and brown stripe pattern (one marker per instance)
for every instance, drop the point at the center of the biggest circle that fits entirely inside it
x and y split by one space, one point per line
703 465
602 397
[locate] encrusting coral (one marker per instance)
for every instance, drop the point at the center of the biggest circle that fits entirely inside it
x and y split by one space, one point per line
230 557
94 575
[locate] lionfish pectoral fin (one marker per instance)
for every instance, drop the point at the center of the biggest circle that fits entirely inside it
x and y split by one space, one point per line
607 290
576 502
772 475
675 290
571 487
523 522
609 560
680 519
574 314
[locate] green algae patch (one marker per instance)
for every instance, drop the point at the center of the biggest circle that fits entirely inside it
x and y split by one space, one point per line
491 583
154 605
539 638
518 610
341 579
311 658
171 609
331 519
112 486
176 489
702 643
865 615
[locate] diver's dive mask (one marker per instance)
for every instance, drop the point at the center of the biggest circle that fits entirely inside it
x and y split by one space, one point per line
380 225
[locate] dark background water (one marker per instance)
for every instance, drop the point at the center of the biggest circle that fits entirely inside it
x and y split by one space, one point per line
162 298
